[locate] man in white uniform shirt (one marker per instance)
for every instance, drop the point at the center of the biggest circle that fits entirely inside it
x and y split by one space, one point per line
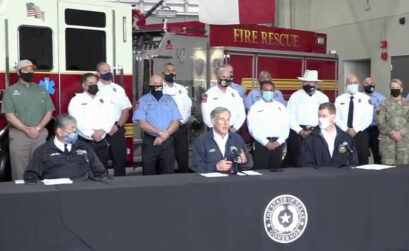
355 114
122 106
94 115
268 123
303 109
184 103
222 95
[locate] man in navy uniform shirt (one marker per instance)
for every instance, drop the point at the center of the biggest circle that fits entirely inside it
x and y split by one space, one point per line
219 149
328 145
158 117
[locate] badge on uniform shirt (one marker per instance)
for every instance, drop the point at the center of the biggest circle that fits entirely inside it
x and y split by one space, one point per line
16 92
101 101
232 94
204 98
167 102
114 89
359 100
212 150
180 91
279 108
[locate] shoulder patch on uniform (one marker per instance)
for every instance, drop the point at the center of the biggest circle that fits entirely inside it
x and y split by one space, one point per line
204 98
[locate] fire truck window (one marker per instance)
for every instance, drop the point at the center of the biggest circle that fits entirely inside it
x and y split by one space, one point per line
84 18
36 45
84 49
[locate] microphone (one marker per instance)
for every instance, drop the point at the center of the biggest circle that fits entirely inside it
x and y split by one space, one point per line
236 156
347 147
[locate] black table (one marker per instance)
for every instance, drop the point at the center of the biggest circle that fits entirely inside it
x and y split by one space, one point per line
347 210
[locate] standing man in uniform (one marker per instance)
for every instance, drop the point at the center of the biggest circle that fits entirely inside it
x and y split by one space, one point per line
303 109
355 114
28 109
184 103
222 95
116 136
269 124
94 115
373 131
254 95
233 85
158 117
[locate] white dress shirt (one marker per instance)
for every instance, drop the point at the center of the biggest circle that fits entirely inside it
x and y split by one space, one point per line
117 95
221 142
303 108
330 139
60 145
231 100
182 99
363 111
268 119
92 114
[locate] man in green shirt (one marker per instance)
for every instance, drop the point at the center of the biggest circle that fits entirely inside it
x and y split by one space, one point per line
28 108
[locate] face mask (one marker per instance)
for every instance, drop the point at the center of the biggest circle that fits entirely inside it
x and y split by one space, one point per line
352 88
369 89
106 76
71 137
324 123
170 78
156 91
224 82
92 89
231 77
28 77
395 92
268 96
308 88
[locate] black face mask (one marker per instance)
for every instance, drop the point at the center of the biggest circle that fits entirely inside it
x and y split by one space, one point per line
170 78
395 92
28 77
224 82
156 91
369 89
93 89
308 88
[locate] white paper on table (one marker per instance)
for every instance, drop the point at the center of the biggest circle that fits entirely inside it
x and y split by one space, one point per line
60 181
251 172
374 167
215 174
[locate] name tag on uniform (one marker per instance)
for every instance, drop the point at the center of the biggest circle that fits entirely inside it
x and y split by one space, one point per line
260 111
216 98
342 103
212 150
84 103
16 92
54 154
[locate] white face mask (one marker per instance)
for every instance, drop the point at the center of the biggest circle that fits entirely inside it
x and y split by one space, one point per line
352 88
324 123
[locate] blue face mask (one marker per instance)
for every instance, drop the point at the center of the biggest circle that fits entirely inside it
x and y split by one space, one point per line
71 137
352 88
106 76
268 96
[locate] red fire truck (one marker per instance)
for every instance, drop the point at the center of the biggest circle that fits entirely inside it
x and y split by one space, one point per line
66 38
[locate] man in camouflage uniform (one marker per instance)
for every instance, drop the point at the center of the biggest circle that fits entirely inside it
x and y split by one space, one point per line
393 124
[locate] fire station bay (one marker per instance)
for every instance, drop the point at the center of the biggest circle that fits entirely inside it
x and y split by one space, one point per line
193 125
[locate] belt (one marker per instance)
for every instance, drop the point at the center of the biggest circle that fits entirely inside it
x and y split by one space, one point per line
307 127
91 141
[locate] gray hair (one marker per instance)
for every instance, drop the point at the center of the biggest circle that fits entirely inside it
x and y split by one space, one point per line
216 111
63 120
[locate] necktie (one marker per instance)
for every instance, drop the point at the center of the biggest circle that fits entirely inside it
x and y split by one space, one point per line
66 148
351 112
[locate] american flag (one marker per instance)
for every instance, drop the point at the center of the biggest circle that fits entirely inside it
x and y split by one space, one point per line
34 11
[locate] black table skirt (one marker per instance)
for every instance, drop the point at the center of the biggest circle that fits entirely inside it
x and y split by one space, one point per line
347 210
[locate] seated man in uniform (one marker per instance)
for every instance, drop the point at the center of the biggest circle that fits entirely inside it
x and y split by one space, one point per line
328 145
219 149
64 156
